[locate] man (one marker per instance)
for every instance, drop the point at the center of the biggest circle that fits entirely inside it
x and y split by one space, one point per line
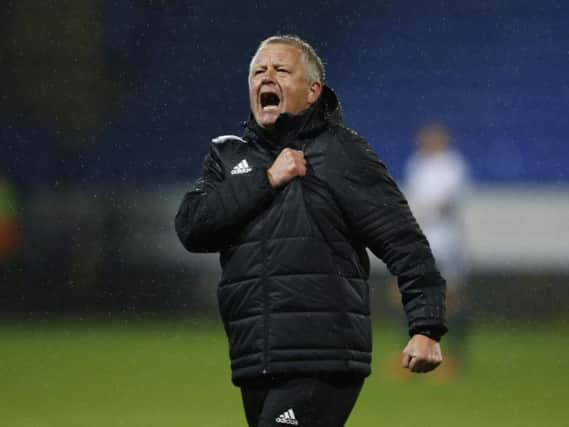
436 184
291 207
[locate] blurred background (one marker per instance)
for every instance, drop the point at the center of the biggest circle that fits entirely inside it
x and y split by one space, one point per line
107 108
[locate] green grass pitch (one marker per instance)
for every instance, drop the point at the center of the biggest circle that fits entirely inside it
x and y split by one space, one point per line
170 374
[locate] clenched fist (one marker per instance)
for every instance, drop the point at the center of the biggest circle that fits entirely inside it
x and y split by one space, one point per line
288 165
422 354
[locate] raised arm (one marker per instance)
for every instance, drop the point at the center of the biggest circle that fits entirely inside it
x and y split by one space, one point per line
381 219
217 205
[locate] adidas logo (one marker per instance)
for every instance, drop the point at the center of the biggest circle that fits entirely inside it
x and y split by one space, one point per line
241 167
287 417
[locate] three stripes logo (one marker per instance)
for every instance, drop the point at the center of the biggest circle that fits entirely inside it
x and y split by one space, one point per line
241 167
287 417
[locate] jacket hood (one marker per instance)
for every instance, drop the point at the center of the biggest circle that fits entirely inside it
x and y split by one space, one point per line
325 112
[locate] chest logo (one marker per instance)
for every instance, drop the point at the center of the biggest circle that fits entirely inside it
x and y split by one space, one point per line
241 167
287 417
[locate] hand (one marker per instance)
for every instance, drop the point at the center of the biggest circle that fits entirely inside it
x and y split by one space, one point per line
288 165
422 354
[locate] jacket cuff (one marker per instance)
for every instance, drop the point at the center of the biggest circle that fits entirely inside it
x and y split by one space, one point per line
433 333
266 183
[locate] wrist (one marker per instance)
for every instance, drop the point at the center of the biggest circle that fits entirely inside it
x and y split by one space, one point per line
271 179
431 337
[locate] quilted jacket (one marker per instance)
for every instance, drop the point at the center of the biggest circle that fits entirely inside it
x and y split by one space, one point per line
293 293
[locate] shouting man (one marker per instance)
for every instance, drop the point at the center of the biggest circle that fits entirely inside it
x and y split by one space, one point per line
291 207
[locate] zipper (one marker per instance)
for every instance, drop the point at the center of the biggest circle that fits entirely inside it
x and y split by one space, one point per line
266 311
266 307
265 304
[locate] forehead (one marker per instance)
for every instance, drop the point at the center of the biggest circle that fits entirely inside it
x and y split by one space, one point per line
277 52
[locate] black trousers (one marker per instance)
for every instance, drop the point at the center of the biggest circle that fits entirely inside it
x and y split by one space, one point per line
303 401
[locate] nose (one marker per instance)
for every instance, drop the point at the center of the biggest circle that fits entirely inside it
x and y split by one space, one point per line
267 82
268 79
269 76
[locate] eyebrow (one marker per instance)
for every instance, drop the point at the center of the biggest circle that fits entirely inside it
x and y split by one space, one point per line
275 64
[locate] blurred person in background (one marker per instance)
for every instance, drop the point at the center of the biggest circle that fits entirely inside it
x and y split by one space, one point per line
436 184
291 206
9 219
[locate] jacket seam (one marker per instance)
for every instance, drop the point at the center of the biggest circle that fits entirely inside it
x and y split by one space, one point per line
264 277
315 312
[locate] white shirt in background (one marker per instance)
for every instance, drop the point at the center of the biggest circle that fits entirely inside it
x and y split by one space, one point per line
436 185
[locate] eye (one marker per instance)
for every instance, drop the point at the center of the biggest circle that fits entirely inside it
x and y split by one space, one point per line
282 70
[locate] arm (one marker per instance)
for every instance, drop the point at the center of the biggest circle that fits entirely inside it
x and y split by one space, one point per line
380 218
217 205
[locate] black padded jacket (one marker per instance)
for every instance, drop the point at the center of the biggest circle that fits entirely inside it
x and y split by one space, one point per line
293 294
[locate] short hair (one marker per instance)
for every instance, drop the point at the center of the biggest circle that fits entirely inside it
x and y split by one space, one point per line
312 63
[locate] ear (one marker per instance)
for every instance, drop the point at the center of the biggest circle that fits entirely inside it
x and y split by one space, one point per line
314 91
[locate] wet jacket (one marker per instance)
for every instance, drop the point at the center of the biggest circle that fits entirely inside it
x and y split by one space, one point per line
293 294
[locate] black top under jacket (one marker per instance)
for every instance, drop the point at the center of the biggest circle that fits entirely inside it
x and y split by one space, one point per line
293 293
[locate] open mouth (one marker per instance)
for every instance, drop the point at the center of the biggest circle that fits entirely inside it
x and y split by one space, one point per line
269 100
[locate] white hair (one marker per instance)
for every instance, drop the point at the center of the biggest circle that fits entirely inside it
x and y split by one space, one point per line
313 65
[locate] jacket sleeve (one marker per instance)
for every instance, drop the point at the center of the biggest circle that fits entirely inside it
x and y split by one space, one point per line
217 206
380 218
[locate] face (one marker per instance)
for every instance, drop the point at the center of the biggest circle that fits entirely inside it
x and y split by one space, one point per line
278 84
433 141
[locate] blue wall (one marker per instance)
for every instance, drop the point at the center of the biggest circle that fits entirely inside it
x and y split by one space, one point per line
496 72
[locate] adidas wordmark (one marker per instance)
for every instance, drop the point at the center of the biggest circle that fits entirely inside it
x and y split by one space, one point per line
287 417
241 167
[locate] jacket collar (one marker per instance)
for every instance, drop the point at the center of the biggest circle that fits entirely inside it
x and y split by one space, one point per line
325 112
